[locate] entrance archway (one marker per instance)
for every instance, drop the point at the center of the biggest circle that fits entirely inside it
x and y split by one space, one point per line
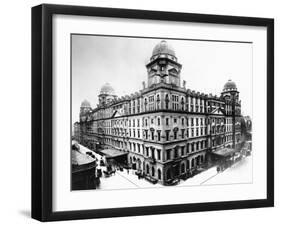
159 174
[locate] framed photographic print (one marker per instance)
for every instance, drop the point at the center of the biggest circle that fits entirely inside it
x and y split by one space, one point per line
146 112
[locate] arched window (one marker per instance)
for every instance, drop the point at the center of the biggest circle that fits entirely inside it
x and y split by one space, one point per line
187 165
147 169
192 163
159 174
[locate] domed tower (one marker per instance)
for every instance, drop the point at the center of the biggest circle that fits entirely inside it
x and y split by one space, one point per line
107 94
85 107
231 96
163 65
230 90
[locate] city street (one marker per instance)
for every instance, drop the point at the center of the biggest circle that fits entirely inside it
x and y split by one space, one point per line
125 179
240 172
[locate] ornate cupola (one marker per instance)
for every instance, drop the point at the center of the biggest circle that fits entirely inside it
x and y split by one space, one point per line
85 107
107 94
230 90
163 66
230 95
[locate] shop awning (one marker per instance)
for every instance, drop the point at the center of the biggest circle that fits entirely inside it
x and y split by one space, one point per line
113 153
224 152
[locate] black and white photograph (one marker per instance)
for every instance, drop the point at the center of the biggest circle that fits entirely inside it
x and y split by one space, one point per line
160 112
148 112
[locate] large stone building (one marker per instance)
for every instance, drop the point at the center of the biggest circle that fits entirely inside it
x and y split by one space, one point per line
166 129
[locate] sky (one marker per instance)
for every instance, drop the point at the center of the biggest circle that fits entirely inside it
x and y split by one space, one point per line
120 61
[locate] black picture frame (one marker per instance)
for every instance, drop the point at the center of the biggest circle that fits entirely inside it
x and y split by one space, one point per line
42 107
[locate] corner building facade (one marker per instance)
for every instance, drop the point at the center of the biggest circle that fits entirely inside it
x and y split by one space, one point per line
166 129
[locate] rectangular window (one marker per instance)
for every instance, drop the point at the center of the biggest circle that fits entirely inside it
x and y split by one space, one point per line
168 152
159 135
158 154
175 135
182 151
167 134
176 153
167 121
182 133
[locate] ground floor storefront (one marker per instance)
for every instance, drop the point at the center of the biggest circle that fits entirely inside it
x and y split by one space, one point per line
135 171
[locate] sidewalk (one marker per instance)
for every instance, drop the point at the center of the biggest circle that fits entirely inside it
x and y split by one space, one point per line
240 172
121 179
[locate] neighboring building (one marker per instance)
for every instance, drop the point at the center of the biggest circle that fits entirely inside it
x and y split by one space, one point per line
166 129
246 128
76 132
83 169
